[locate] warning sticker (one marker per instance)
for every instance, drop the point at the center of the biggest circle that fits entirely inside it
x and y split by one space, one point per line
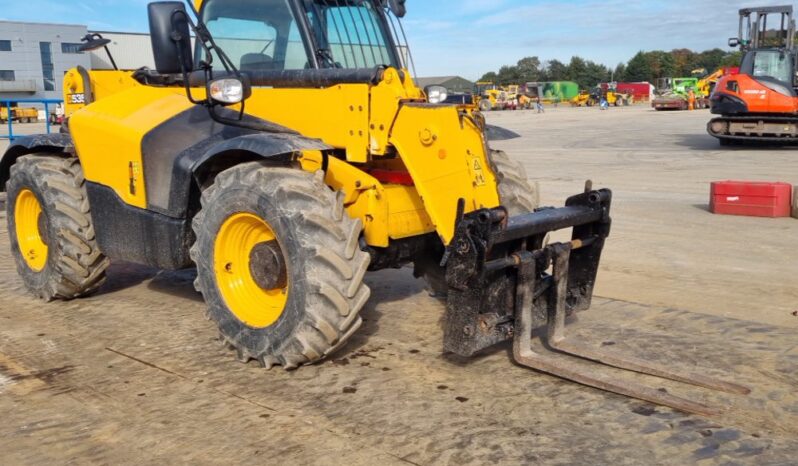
477 172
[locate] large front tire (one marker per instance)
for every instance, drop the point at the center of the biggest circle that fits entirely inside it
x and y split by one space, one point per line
291 217
51 230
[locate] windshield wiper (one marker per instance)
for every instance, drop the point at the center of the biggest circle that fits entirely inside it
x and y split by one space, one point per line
325 55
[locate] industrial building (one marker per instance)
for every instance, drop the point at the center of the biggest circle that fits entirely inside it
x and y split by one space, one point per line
454 84
131 50
35 56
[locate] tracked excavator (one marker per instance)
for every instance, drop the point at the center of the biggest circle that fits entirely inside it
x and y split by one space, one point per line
285 156
760 104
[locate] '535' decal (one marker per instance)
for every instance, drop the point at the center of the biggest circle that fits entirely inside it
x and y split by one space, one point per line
77 99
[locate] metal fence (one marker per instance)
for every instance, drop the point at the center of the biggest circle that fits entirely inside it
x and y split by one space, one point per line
6 103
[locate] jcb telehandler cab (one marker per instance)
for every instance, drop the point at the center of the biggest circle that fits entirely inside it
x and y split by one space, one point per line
285 156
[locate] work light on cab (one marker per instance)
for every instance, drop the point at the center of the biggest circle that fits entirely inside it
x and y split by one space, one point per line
436 94
228 91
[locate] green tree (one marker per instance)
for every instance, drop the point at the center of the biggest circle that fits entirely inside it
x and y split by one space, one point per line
684 62
577 69
638 69
662 65
620 73
508 75
556 71
732 59
489 77
711 60
528 69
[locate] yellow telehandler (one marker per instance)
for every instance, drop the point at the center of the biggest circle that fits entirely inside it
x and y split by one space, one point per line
285 156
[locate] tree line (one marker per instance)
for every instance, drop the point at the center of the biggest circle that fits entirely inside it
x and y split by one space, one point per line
644 66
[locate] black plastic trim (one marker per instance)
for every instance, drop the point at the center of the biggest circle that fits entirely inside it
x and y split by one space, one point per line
725 104
137 235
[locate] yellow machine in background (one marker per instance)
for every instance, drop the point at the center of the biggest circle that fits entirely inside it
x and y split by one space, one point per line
493 97
707 83
20 115
593 98
284 165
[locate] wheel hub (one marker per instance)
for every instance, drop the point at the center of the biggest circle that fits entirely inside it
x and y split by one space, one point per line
267 266
251 271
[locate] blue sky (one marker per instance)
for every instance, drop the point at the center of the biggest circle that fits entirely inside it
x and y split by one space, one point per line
470 37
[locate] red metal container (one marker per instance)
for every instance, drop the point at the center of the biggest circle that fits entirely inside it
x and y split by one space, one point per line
751 198
640 91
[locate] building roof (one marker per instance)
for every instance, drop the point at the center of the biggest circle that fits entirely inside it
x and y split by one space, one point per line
42 24
122 33
423 82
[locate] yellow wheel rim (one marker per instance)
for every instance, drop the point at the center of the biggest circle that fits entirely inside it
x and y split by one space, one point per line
27 213
249 302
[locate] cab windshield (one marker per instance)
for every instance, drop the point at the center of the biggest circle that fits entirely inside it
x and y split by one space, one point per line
265 35
350 33
772 64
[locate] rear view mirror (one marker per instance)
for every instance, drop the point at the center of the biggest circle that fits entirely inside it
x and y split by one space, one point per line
398 7
171 41
734 42
93 42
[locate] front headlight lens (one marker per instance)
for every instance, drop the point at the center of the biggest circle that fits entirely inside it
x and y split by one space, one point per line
436 94
227 91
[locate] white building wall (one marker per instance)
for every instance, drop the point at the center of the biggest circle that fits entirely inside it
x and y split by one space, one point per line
26 61
130 51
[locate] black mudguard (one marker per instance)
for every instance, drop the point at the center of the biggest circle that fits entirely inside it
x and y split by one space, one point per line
51 143
182 149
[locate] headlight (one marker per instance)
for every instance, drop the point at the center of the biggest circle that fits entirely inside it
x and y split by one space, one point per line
227 91
436 94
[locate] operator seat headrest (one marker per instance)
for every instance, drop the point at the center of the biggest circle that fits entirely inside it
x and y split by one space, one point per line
256 62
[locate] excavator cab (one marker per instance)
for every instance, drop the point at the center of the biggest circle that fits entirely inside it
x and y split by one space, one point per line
774 65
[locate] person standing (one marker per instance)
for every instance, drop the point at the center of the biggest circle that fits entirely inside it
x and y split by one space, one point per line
691 99
539 105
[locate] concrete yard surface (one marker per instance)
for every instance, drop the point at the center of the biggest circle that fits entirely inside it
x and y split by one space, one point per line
666 248
135 374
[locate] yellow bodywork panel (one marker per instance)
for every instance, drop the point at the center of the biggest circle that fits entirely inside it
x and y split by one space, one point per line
389 211
445 155
338 115
108 135
384 126
386 98
103 84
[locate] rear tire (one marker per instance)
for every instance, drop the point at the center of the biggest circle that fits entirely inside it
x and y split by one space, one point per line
323 273
516 194
67 262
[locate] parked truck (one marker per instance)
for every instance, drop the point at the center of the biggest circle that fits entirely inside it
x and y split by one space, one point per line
20 115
